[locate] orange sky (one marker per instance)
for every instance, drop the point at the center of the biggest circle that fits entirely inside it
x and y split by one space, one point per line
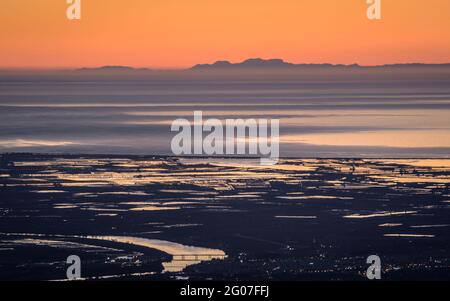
180 33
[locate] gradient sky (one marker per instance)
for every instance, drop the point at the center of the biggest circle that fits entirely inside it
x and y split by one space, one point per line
180 33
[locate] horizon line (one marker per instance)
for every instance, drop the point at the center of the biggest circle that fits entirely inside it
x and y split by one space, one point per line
180 68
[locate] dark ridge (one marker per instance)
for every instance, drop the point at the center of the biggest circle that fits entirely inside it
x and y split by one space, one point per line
279 63
113 69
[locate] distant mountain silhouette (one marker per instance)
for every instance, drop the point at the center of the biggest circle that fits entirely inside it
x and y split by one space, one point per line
261 63
113 69
258 63
279 63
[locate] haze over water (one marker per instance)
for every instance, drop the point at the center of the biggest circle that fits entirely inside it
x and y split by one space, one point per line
321 116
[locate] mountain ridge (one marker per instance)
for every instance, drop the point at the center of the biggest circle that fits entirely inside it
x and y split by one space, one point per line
257 64
279 63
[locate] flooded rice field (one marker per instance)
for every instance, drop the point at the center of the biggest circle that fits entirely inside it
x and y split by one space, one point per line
163 218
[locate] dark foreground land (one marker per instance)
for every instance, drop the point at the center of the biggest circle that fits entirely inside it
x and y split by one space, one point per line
177 218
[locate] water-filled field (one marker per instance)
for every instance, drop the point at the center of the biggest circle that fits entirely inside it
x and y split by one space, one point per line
144 217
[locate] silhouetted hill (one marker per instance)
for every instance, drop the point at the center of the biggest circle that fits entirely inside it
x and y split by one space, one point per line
258 63
113 69
261 63
255 63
